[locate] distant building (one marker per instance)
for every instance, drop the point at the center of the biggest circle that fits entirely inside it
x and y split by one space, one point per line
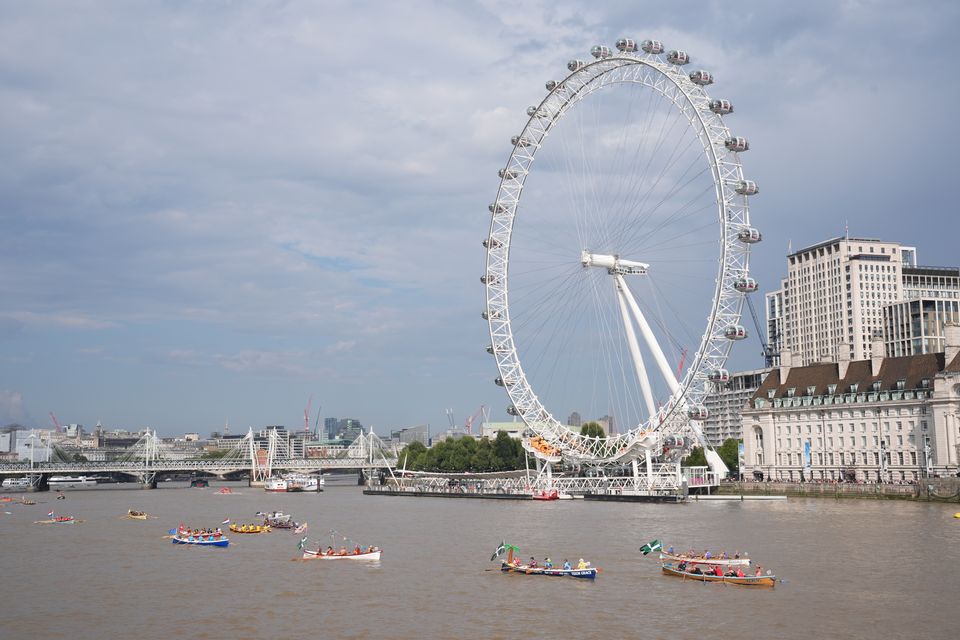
931 299
419 433
513 429
888 419
725 402
331 427
606 423
349 429
574 420
191 437
776 315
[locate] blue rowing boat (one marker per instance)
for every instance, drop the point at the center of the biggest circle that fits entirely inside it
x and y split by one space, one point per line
201 541
588 574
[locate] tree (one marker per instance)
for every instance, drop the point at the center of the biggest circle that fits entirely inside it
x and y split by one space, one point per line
729 452
410 454
79 457
592 430
215 454
697 458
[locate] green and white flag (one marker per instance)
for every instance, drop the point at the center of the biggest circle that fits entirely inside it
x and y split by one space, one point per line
651 546
498 552
303 541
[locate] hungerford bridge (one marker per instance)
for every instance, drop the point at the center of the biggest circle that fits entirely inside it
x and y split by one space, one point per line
145 461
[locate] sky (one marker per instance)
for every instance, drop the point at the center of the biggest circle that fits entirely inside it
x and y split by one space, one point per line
212 212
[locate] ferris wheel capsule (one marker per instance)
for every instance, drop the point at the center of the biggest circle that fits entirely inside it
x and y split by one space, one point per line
626 44
490 316
489 279
508 174
491 243
747 188
698 413
735 332
600 51
719 375
512 411
576 65
701 77
520 141
737 143
745 284
496 207
654 47
721 107
678 57
551 85
749 235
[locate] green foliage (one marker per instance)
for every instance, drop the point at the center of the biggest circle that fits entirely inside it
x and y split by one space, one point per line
466 454
697 458
216 454
79 457
593 430
729 452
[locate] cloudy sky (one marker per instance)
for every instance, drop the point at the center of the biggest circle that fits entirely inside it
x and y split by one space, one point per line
212 211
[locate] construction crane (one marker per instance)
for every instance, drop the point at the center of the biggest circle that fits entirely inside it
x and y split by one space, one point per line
768 352
56 423
306 415
450 419
468 425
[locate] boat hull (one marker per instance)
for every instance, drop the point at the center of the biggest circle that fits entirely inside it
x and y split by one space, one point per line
250 528
315 555
586 574
746 581
723 562
222 542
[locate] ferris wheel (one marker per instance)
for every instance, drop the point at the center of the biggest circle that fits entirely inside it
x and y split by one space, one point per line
616 271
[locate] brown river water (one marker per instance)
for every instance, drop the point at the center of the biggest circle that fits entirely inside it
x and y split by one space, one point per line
850 569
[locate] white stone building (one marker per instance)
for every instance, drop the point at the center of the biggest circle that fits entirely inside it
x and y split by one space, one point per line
890 419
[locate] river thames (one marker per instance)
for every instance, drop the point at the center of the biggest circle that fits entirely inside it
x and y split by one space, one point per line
851 569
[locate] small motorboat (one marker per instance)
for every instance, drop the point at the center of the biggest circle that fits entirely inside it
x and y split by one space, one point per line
225 491
277 519
546 494
250 528
372 553
767 580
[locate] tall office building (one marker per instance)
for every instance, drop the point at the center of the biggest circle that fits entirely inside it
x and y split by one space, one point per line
331 427
834 293
915 324
726 401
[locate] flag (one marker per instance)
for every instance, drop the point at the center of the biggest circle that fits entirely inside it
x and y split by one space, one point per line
303 541
653 545
498 552
227 521
301 528
50 515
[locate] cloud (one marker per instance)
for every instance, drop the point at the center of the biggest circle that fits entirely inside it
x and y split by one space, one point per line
12 409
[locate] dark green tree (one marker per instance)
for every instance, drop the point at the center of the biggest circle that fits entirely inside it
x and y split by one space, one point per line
593 430
697 458
410 454
729 452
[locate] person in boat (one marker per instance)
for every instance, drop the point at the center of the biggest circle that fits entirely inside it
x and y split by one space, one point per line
548 563
706 554
682 566
696 571
718 571
371 549
759 571
343 551
566 565
356 550
736 555
329 551
533 562
739 572
582 564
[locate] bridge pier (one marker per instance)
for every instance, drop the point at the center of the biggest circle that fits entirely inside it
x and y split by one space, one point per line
361 477
148 480
38 482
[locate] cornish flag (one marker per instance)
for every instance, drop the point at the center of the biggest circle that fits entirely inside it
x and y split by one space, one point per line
651 546
227 521
303 541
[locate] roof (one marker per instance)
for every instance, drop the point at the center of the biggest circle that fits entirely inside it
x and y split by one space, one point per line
911 369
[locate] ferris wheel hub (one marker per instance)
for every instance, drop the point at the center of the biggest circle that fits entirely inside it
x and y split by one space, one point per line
615 265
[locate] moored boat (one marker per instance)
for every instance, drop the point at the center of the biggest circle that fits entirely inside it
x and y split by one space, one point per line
199 483
301 482
766 580
16 483
275 485
547 494
372 553
723 562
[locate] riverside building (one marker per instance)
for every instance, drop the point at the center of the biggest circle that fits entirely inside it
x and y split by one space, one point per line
889 419
726 401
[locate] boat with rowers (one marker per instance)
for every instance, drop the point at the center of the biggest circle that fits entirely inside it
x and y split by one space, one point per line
709 559
136 515
250 528
716 574
199 537
370 553
512 564
55 519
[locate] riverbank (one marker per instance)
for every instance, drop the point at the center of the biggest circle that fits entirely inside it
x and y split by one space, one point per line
930 489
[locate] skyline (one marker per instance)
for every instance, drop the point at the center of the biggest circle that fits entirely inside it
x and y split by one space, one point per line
213 213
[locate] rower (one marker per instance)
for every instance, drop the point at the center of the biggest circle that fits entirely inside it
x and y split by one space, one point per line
566 565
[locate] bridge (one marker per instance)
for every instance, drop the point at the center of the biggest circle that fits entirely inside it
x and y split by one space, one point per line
145 461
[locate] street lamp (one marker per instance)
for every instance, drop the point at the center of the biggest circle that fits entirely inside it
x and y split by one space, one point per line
926 455
883 459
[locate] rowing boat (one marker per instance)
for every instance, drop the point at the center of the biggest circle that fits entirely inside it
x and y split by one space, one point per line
59 520
250 528
589 573
136 515
319 555
723 562
202 541
768 580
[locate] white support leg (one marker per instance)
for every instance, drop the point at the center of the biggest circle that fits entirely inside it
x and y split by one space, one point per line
649 472
665 370
635 350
